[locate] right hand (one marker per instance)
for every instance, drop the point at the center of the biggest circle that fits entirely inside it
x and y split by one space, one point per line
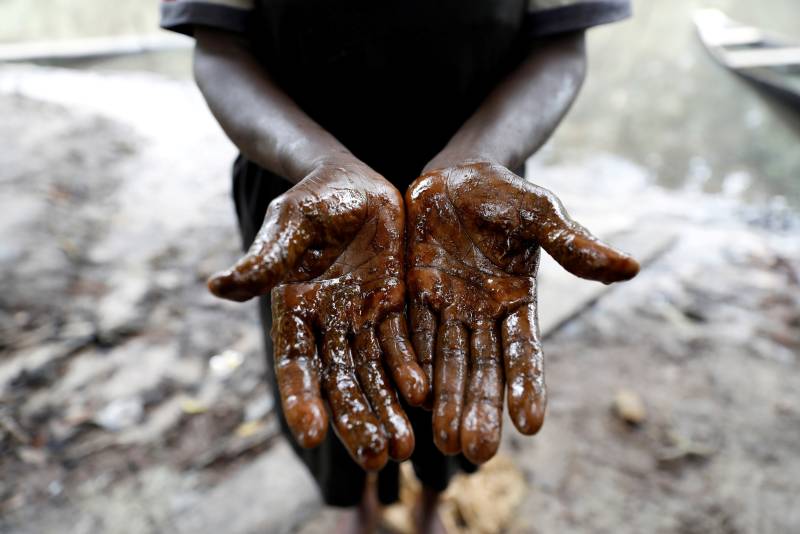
331 252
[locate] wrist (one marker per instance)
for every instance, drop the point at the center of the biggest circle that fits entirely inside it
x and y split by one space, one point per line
463 148
344 165
304 157
453 159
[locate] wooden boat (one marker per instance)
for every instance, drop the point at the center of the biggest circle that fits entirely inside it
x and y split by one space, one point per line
91 48
767 61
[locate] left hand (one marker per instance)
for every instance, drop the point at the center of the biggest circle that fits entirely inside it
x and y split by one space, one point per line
474 232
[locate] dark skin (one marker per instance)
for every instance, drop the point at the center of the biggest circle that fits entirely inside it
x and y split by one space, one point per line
473 250
330 252
474 233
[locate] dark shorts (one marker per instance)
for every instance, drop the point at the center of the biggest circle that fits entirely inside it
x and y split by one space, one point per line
340 479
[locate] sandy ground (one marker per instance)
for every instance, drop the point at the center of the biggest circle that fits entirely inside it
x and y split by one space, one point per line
131 401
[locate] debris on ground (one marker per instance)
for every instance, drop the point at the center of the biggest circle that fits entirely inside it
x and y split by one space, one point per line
483 503
629 407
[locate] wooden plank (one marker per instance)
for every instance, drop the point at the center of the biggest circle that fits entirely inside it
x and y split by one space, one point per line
563 297
733 36
91 48
763 57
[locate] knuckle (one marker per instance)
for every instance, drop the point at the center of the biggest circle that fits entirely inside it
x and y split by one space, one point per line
283 205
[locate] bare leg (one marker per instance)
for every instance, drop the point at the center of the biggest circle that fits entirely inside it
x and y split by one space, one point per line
364 518
426 513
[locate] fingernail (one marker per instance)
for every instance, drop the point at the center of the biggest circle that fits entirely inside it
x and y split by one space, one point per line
416 387
214 284
624 268
223 286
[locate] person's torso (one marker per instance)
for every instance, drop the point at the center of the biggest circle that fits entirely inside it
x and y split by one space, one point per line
393 80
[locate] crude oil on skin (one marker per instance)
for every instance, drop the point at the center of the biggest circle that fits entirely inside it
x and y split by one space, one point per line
332 249
473 251
331 252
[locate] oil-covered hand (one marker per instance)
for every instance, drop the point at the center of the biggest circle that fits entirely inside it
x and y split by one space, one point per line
331 252
473 251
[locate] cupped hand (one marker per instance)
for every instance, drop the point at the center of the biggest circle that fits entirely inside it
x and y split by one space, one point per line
474 233
330 251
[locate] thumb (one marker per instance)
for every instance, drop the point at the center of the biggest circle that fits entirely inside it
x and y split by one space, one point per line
572 245
277 248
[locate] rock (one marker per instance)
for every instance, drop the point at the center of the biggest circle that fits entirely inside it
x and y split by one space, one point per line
485 501
629 407
482 503
120 414
224 364
32 456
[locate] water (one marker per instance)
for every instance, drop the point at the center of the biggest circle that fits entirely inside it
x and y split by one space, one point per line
656 98
45 20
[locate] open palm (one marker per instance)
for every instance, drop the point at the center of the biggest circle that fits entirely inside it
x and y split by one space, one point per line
330 252
474 233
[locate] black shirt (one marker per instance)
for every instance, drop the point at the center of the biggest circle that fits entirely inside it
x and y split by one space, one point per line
392 80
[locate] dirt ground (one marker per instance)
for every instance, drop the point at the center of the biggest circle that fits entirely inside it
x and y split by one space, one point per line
131 400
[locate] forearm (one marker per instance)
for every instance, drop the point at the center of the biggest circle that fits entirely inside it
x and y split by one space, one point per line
261 120
521 113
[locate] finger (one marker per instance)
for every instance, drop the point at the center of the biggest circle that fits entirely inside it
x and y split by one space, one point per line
355 424
524 365
423 337
406 372
282 240
452 347
296 374
375 384
572 245
481 423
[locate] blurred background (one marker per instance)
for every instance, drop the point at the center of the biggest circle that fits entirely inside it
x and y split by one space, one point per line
131 400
